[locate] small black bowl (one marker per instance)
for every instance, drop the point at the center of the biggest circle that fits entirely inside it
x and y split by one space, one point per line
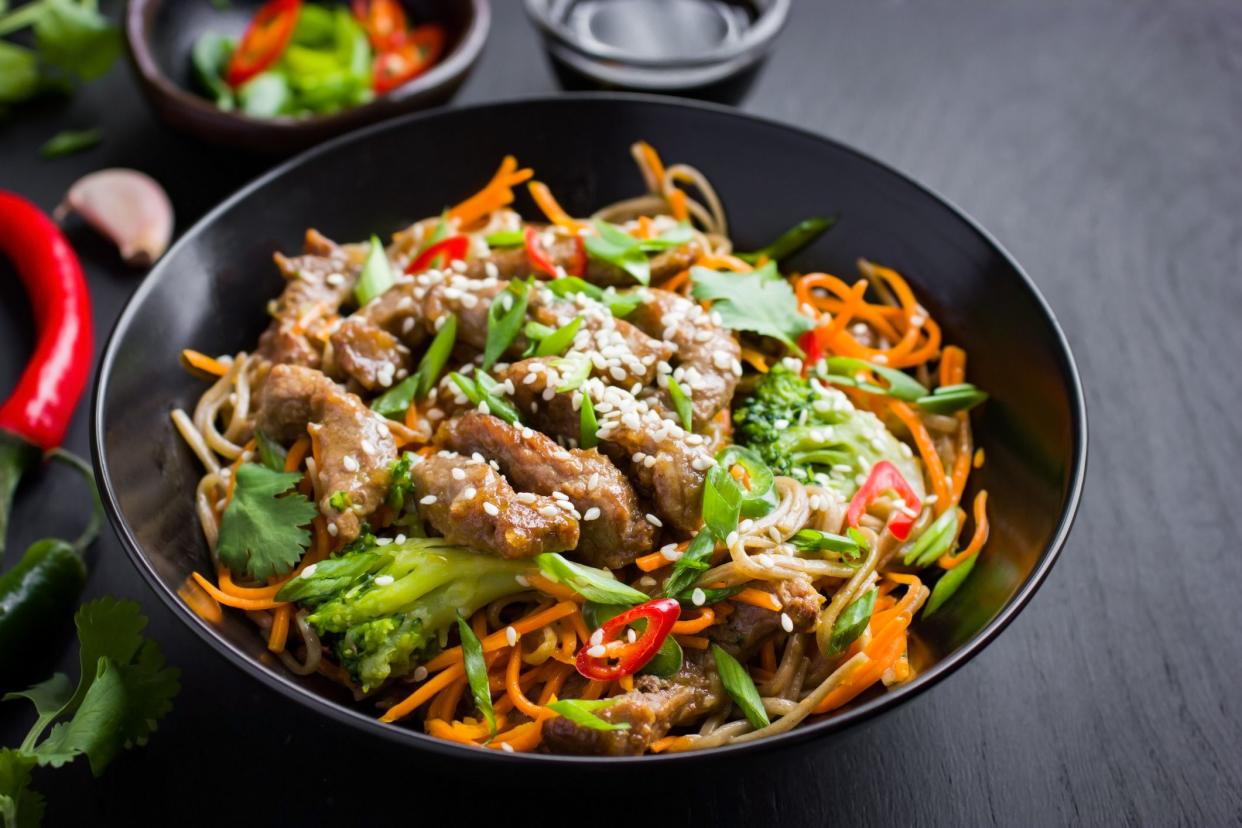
210 290
160 36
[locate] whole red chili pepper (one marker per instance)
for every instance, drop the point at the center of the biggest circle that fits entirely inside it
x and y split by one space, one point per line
884 477
608 655
453 248
34 418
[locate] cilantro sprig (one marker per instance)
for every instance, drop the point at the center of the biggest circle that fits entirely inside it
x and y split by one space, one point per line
124 689
760 301
262 532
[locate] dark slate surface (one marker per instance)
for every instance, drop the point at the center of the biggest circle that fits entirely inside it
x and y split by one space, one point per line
1099 141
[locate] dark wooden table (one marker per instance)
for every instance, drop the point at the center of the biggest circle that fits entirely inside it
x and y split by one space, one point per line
1100 142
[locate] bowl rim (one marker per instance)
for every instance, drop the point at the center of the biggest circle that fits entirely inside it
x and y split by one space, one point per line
420 741
453 67
756 39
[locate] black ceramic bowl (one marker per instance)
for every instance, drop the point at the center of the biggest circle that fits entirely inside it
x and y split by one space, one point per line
210 289
160 35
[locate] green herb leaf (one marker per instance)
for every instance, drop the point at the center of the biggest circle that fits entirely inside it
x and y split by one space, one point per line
20 806
813 540
760 301
618 248
593 584
262 534
673 237
740 687
791 241
851 623
75 37
581 712
559 340
376 277
722 502
322 581
758 496
948 584
476 672
504 320
934 541
845 370
210 56
70 141
271 453
949 399
618 304
685 410
394 402
588 425
19 73
695 560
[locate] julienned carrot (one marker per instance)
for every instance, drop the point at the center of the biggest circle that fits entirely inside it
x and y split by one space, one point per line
495 641
652 562
723 262
297 453
705 619
755 360
551 207
650 165
927 451
204 363
198 600
759 598
424 693
677 283
677 204
514 691
279 632
559 591
497 193
977 540
233 601
694 642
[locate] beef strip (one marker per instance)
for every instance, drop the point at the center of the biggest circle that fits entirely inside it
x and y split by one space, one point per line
353 443
411 309
368 354
613 531
472 504
318 283
656 705
705 355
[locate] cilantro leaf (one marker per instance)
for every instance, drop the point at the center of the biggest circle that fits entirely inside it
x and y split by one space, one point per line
760 301
107 628
20 807
262 534
95 728
75 37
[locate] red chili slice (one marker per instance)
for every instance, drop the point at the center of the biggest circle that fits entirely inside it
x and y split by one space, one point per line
812 347
884 477
535 252
420 49
621 657
580 257
265 40
453 248
384 22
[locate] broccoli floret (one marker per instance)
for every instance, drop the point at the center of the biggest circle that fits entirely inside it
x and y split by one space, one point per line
405 595
812 432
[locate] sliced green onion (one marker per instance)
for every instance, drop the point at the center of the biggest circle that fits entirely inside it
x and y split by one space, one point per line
574 372
588 426
476 672
759 497
593 584
685 410
851 623
505 238
479 390
271 452
396 401
581 712
722 502
619 249
948 584
686 569
376 277
949 399
741 688
504 320
813 540
618 304
557 342
843 371
791 241
935 540
675 236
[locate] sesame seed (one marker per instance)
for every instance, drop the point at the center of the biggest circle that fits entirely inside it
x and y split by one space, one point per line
332 530
593 482
428 500
490 508
653 520
550 511
597 651
350 464
459 474
399 539
511 635
383 580
420 673
309 571
469 492
596 638
591 514
786 622
525 497
698 597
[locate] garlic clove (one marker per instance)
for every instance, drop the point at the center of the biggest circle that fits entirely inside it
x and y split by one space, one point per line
127 206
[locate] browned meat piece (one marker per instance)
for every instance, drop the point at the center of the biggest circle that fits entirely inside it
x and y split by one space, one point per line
412 309
653 707
658 455
613 531
748 626
705 354
369 354
318 282
353 443
471 503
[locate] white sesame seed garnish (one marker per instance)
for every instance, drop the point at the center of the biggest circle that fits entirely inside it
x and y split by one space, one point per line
469 492
420 673
597 651
511 636
459 474
332 530
309 571
350 464
550 511
786 622
698 597
428 500
596 638
521 580
653 520
591 514
490 508
383 580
